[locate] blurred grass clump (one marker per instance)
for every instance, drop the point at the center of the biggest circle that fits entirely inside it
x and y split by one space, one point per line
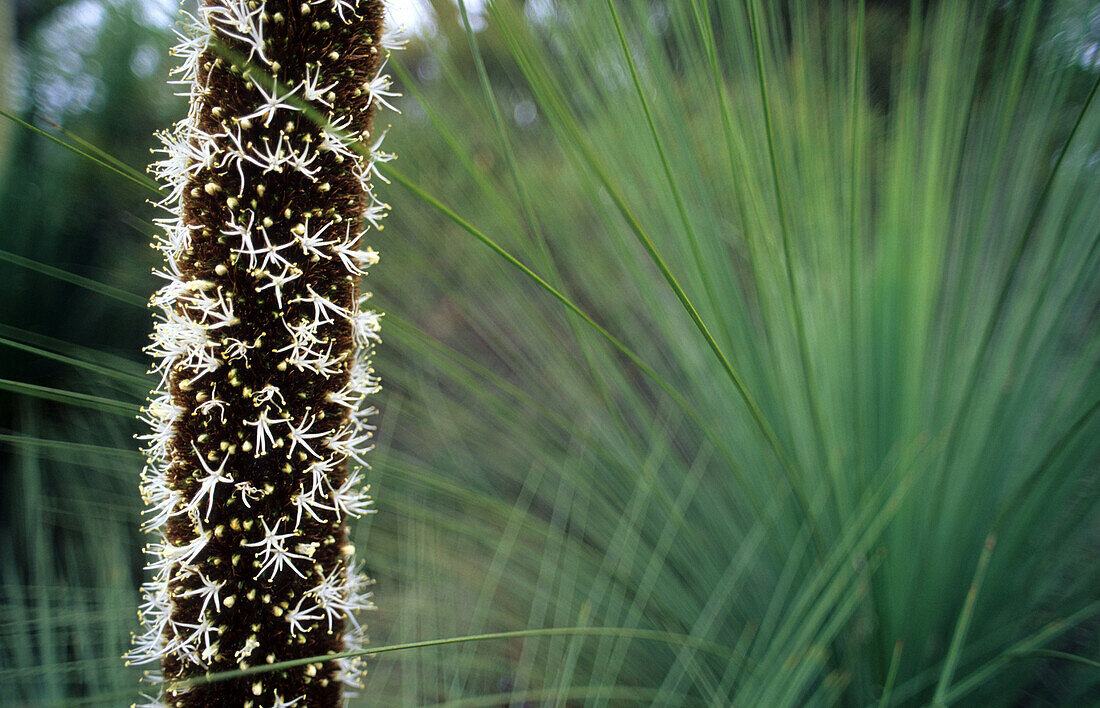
842 448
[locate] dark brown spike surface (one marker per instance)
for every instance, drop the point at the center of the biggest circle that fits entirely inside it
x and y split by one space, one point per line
239 416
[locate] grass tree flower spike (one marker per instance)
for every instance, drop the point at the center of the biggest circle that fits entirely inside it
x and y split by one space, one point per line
262 343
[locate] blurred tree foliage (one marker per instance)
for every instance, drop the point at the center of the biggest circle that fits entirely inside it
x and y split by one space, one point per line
98 71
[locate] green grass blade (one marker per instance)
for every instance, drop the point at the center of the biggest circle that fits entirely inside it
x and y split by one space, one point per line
74 279
128 174
650 635
784 230
83 400
140 381
967 613
891 675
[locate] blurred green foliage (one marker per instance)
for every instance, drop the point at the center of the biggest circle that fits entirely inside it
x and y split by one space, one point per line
528 475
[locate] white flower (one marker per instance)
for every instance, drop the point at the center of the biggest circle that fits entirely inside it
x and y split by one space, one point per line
312 90
378 89
160 415
351 442
303 336
267 393
247 648
187 151
351 499
268 159
233 348
248 493
331 593
280 703
264 434
207 407
355 260
161 498
362 380
208 591
365 326
278 280
298 615
272 102
393 37
273 551
150 703
302 433
339 6
375 212
308 502
323 309
267 253
306 352
319 471
207 484
180 342
301 161
171 556
213 312
366 170
342 593
194 38
175 241
155 612
346 397
235 20
311 242
336 138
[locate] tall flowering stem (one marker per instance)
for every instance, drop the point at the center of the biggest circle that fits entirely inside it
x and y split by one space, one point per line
262 342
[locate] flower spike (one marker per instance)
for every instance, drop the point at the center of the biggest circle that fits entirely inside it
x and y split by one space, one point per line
262 346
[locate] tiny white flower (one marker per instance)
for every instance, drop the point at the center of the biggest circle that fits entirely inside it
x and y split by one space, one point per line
379 89
272 103
312 89
340 6
233 348
213 403
296 617
274 553
264 434
309 503
301 433
351 499
248 493
267 393
351 443
268 254
336 137
312 243
247 648
355 261
324 310
278 280
208 591
301 160
207 484
394 37
235 19
280 703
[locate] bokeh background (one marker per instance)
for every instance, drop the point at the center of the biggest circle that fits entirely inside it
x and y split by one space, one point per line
528 475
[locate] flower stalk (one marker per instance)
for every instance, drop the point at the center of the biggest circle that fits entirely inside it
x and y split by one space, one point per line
263 343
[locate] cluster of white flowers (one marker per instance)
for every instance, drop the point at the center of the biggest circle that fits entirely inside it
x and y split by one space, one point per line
262 344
